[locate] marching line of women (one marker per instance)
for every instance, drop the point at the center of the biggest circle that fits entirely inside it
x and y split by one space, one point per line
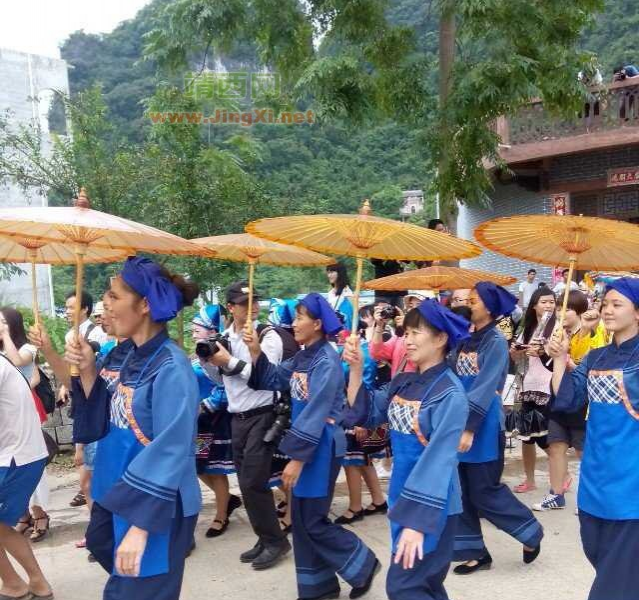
441 413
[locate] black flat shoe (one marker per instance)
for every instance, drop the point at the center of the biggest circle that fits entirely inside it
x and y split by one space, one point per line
344 520
270 556
381 509
234 503
358 592
252 554
531 555
212 532
483 564
327 596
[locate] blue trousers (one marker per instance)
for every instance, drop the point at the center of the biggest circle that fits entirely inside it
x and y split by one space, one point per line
484 495
612 548
324 550
425 581
100 543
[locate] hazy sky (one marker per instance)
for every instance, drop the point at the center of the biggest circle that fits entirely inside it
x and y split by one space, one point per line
40 26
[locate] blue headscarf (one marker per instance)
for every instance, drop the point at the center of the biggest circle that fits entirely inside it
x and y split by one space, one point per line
319 308
445 320
498 300
628 286
145 277
209 317
282 312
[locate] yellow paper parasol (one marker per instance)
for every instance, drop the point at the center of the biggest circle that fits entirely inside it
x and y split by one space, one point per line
244 247
363 236
34 251
436 278
564 240
80 227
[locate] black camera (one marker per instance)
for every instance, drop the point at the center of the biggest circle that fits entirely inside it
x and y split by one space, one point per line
204 349
389 312
282 410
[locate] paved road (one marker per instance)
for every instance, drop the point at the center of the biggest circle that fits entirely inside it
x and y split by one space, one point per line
213 571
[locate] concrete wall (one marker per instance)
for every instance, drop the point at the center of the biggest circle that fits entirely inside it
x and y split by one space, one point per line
507 200
27 89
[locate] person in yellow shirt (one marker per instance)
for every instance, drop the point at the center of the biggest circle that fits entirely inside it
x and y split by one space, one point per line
567 430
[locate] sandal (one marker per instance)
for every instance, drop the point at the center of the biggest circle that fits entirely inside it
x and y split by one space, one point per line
28 524
211 532
78 500
524 487
345 520
39 533
81 543
374 509
567 484
286 529
281 509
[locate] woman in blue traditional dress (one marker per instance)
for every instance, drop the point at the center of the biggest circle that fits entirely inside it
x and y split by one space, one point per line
426 411
607 380
481 363
141 403
316 444
213 451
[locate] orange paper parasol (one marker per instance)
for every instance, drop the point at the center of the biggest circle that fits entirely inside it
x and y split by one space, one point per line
244 247
80 227
564 240
363 236
436 278
34 251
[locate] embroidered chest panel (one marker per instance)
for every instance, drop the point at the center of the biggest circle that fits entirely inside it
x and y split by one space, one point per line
403 416
467 364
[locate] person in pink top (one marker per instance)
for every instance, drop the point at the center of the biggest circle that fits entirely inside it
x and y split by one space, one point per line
394 349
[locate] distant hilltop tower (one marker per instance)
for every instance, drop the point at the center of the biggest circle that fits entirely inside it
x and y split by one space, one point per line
29 83
413 203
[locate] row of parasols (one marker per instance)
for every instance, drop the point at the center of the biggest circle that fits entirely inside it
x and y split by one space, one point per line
79 235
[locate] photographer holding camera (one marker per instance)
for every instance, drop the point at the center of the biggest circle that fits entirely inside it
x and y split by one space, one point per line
253 416
394 349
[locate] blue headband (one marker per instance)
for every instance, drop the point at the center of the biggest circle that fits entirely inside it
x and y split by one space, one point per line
209 317
627 286
319 308
145 277
445 320
498 301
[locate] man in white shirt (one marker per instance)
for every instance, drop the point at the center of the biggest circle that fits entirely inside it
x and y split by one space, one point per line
23 455
527 288
559 289
253 416
88 329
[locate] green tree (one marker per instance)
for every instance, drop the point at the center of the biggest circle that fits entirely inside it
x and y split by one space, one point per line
494 56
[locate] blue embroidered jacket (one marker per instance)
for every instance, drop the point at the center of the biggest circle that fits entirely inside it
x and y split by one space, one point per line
147 457
314 376
608 379
429 411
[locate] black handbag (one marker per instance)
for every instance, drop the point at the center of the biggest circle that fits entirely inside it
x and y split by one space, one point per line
45 392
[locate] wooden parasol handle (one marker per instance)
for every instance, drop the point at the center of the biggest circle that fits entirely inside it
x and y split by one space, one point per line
80 251
564 306
34 288
358 287
248 326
